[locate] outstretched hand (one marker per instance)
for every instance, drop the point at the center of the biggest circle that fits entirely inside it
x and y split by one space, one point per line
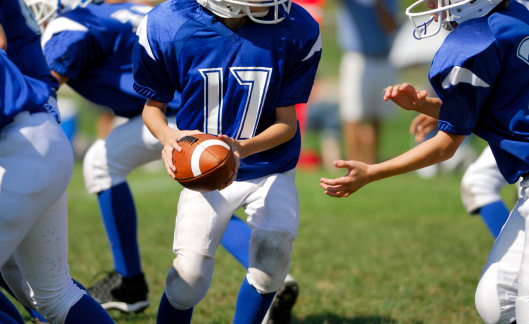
356 177
421 126
405 96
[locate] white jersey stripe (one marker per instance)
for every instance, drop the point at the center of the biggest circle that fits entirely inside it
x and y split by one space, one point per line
462 75
59 25
142 34
315 48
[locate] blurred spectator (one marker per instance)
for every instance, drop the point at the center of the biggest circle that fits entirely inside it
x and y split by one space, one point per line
323 118
365 33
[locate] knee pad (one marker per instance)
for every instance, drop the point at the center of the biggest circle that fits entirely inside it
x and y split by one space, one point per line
96 169
269 259
189 278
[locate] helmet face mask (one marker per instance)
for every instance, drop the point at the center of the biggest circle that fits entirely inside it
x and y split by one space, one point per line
44 10
241 8
447 16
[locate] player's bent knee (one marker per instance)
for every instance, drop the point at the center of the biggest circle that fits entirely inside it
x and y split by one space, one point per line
97 172
188 280
486 298
269 259
478 190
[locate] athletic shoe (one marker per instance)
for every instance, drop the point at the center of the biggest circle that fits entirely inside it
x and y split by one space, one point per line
279 312
129 295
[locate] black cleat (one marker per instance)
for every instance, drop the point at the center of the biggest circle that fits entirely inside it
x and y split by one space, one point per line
281 308
129 295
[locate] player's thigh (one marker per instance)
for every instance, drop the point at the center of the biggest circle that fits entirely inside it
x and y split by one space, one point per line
351 98
482 182
129 146
202 218
36 165
498 287
273 204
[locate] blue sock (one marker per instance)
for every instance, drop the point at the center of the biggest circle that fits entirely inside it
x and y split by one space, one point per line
168 314
251 306
8 311
494 215
119 216
87 311
6 319
236 239
32 313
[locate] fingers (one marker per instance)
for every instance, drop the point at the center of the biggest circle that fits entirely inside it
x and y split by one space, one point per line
338 191
393 91
167 157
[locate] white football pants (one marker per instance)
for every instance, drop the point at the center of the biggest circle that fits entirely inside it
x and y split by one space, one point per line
272 206
36 165
129 146
502 295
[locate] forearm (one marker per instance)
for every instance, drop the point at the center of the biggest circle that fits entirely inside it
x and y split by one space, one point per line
430 107
280 132
3 39
61 78
438 149
154 118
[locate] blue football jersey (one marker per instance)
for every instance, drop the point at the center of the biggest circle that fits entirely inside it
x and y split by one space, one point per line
481 73
19 92
230 81
23 38
93 47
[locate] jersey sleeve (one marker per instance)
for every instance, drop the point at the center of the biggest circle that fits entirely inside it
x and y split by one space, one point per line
151 76
68 47
298 80
465 83
30 93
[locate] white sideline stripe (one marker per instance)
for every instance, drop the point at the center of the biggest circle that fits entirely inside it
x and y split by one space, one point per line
462 75
195 158
59 25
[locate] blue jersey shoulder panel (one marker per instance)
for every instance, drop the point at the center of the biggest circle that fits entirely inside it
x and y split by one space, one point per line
19 92
93 47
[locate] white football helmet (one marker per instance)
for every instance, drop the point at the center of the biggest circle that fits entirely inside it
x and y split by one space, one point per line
240 8
457 11
43 10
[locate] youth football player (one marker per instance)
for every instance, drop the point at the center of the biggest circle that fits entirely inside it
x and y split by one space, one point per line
90 49
241 68
36 164
481 74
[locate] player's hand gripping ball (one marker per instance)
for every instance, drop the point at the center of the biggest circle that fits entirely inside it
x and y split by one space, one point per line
205 163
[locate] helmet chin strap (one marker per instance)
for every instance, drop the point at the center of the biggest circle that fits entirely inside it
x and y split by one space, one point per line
448 25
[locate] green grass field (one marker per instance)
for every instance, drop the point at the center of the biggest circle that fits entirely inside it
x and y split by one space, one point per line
401 250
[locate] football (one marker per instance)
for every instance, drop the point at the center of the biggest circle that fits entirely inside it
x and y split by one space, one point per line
205 163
